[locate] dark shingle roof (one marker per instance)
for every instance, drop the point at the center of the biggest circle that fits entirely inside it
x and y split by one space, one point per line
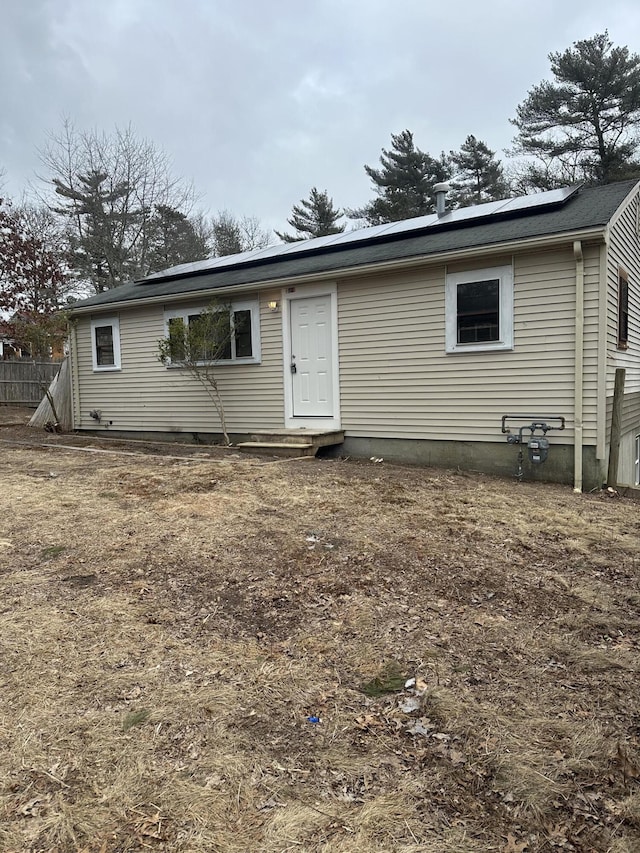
590 207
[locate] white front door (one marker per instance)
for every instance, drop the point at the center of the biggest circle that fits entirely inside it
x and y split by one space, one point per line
311 357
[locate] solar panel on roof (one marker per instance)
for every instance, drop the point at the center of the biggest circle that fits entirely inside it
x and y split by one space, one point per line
368 233
415 224
292 248
407 226
527 202
461 214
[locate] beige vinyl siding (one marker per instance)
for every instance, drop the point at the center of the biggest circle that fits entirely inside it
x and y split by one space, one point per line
624 251
397 380
590 343
630 421
627 457
146 395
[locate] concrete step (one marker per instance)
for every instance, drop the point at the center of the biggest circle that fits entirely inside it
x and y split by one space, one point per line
318 438
273 448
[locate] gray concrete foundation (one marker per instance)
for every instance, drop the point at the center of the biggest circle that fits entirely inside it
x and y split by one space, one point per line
487 457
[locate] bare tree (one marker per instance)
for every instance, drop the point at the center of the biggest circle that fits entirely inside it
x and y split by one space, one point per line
107 188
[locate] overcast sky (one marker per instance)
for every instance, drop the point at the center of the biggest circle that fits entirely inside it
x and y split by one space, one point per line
257 101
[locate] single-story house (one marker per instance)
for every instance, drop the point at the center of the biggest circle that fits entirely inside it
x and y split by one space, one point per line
411 340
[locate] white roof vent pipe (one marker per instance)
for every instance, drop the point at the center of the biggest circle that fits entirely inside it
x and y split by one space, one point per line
441 191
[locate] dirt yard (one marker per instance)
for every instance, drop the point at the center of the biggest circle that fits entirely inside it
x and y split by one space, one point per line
203 651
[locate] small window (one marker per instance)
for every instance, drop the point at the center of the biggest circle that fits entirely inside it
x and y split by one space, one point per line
105 344
239 334
176 338
623 310
479 310
242 333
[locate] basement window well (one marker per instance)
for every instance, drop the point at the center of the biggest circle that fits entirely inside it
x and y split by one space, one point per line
105 343
479 310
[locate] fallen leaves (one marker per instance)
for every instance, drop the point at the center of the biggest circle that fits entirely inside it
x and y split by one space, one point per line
513 846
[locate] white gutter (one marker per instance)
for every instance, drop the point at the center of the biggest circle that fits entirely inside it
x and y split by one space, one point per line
579 368
347 272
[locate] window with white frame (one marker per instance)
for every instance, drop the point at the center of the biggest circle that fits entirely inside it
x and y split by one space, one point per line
636 464
479 310
105 343
238 333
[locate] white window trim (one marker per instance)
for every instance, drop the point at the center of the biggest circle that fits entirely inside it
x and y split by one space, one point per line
636 461
505 277
252 305
114 322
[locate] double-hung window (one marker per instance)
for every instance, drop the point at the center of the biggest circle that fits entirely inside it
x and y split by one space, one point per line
105 343
479 310
230 334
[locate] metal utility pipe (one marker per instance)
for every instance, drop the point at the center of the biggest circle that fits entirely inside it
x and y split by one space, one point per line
441 191
579 368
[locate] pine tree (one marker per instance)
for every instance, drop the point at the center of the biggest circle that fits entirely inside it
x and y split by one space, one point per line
584 125
313 217
232 234
173 240
478 176
97 249
404 183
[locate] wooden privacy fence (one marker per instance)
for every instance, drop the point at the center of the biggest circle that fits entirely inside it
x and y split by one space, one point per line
23 383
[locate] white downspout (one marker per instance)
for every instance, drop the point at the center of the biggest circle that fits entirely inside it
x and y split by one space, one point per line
579 368
73 370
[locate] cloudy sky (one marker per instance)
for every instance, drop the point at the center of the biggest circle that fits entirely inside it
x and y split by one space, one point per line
257 101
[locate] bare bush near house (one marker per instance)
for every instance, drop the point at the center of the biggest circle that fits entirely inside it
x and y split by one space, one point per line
198 347
172 628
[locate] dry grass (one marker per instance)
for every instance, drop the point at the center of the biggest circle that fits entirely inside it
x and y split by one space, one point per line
169 625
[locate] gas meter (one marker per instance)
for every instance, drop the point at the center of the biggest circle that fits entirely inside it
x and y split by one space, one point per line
537 445
538 449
